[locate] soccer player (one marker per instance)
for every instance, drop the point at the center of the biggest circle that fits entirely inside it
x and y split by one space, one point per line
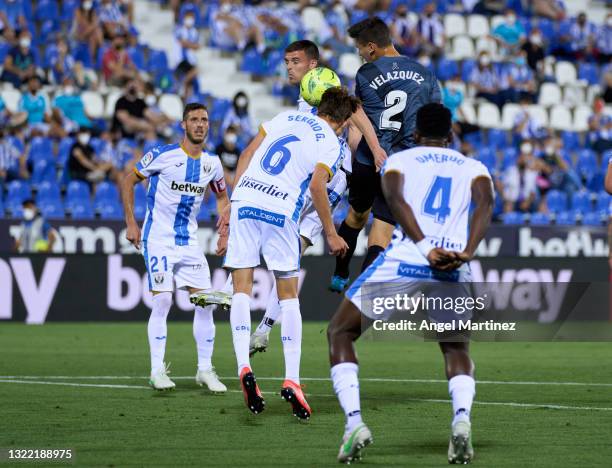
392 88
178 177
429 189
292 153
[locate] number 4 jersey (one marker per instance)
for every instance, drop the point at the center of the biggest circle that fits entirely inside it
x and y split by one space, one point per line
392 89
280 171
438 188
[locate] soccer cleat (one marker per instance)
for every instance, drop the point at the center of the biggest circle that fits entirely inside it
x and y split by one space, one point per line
211 379
258 343
460 448
338 284
353 443
212 298
160 380
250 389
292 393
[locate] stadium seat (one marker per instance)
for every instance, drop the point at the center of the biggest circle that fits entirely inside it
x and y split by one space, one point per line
111 100
1 209
349 64
586 163
52 208
487 157
43 170
11 98
68 9
581 201
313 21
602 202
550 94
463 47
513 218
77 190
556 201
498 139
137 55
94 104
565 73
80 209
581 118
509 114
477 26
112 211
539 219
573 95
18 191
48 190
488 115
560 118
539 114
509 158
454 25
496 20
592 219
447 69
172 106
571 140
106 191
588 72
158 62
566 218
486 44
46 10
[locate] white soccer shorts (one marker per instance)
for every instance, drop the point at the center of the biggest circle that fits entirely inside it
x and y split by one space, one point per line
256 232
185 264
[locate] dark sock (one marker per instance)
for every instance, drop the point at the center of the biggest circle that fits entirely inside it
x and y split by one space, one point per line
350 235
373 252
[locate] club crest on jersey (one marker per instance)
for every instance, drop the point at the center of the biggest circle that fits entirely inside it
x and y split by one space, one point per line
191 189
158 278
207 167
146 159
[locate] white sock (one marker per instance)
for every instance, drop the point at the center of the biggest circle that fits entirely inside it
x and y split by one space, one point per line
346 386
240 320
157 329
204 335
273 311
228 287
462 389
291 333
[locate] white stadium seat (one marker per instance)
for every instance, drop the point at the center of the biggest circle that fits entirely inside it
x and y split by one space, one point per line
486 44
111 100
477 26
11 98
496 21
550 94
463 47
539 114
581 118
349 64
592 91
574 96
509 114
313 20
565 73
172 106
454 25
560 118
488 115
468 111
94 104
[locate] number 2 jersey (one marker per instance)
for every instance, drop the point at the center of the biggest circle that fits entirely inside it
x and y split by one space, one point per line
392 89
280 171
177 184
438 188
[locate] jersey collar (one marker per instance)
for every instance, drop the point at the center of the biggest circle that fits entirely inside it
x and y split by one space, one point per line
187 153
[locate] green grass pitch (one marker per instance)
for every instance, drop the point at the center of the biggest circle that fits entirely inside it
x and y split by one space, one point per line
48 401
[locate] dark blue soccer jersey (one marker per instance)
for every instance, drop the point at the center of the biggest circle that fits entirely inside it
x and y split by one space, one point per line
392 89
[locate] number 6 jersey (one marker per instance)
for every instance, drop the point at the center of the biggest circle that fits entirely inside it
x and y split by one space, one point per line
280 171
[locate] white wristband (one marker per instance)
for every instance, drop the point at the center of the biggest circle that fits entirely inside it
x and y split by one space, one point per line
424 246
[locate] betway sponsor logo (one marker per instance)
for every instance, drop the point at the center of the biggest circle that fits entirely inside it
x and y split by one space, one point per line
578 242
191 189
525 289
263 187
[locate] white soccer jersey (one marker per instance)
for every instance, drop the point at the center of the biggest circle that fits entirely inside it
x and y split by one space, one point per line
279 173
438 188
176 188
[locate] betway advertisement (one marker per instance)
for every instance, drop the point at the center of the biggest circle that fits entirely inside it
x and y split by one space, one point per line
88 237
40 288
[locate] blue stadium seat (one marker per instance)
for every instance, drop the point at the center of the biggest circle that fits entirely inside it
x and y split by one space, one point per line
446 69
488 158
513 218
571 140
589 72
4 50
137 55
81 53
46 10
592 219
509 158
605 160
48 190
556 201
252 62
18 191
77 190
547 27
1 209
52 208
63 152
498 139
540 219
586 162
112 211
566 218
43 170
602 202
80 209
68 9
158 62
581 201
466 69
106 194
41 148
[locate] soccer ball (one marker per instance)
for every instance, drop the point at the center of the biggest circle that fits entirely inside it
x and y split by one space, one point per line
316 82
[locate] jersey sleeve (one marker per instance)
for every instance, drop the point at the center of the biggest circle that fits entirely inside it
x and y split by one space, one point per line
151 163
435 95
392 164
275 124
330 157
480 170
217 184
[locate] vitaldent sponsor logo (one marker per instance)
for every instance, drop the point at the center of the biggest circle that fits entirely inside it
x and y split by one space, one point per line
268 189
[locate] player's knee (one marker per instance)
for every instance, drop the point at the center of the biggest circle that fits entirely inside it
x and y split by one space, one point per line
162 303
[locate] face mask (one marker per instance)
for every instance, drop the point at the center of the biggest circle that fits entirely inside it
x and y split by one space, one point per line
549 150
520 61
28 214
425 61
87 5
536 39
511 19
526 148
326 54
83 138
69 90
150 100
485 60
231 138
241 102
25 42
189 21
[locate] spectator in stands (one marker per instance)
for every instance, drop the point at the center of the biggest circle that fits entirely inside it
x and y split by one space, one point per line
404 32
10 119
552 9
20 62
35 235
36 104
230 27
526 127
578 39
238 116
127 9
452 97
130 113
431 32
520 181
62 63
487 81
186 44
600 127
489 7
117 67
603 46
13 160
86 28
556 173
114 22
521 80
82 164
155 115
229 153
510 34
12 14
534 50
607 84
69 103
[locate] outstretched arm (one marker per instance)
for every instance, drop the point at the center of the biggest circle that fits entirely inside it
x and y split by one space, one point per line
361 121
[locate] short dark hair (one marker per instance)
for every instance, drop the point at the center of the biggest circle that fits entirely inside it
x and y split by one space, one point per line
338 104
310 48
371 30
28 201
433 120
192 106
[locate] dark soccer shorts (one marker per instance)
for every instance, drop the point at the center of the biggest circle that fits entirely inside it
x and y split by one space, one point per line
365 192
